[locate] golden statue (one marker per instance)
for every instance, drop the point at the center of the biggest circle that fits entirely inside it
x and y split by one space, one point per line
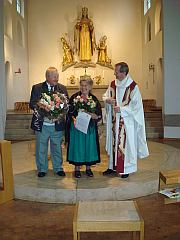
68 59
103 58
84 37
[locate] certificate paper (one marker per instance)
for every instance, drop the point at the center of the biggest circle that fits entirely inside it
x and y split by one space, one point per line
82 122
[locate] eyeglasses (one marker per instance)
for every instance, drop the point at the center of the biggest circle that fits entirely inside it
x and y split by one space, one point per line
118 72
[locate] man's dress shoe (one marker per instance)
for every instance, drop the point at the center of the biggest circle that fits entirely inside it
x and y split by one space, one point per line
41 174
61 173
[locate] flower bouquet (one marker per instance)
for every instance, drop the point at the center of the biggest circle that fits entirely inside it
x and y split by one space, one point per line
86 104
54 105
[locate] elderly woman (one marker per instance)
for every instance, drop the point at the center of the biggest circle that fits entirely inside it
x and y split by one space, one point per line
83 149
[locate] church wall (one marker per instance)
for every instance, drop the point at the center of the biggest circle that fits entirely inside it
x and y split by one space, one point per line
2 77
152 80
119 20
16 54
171 56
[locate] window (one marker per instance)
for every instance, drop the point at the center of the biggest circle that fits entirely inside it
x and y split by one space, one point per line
20 34
147 5
18 6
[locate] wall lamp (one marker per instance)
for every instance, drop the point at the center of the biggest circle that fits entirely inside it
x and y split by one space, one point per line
18 71
151 66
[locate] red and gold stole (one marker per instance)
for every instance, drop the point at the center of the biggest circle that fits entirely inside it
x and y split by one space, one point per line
119 164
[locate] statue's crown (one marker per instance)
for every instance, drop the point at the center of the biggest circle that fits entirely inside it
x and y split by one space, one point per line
85 9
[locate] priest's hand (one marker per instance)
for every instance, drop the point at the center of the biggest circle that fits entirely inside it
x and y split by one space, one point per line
116 109
111 101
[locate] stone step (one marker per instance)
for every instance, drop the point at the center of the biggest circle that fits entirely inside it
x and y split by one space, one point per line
18 125
153 114
152 130
153 124
18 116
19 131
153 135
19 137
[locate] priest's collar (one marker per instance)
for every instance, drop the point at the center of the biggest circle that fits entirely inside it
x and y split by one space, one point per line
123 83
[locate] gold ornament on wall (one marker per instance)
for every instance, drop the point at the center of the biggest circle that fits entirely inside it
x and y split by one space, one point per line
98 79
68 58
72 80
103 58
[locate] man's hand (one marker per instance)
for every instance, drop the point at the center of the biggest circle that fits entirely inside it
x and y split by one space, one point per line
111 101
116 109
47 108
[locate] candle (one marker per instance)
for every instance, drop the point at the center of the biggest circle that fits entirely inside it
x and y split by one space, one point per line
103 73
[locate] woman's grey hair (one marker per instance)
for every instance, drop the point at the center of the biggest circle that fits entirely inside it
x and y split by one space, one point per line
88 80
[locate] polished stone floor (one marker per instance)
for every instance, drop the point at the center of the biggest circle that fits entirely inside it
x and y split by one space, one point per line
55 189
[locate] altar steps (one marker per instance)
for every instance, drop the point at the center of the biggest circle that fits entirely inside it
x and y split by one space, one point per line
154 124
18 125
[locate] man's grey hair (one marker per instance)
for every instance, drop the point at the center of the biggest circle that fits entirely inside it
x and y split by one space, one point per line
51 71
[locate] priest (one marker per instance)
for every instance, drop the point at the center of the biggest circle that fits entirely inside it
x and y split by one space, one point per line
125 128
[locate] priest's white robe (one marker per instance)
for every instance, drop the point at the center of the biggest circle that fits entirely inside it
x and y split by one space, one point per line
130 137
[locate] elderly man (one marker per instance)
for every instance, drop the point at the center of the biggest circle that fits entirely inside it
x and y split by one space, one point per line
125 133
46 129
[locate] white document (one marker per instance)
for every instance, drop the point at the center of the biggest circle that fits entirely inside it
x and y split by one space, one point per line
82 122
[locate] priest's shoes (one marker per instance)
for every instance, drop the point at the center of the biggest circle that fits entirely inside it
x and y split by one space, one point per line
109 172
124 175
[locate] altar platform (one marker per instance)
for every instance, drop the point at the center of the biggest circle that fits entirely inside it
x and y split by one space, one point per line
55 189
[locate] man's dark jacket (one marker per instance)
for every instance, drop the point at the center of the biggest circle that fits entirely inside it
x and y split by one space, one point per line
38 118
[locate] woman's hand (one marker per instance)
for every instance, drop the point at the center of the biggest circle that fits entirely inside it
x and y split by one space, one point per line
94 116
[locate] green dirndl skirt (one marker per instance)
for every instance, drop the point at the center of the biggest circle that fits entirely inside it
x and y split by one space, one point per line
82 148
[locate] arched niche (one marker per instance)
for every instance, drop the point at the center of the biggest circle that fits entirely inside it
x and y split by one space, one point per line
148 30
8 22
160 86
158 18
20 34
9 83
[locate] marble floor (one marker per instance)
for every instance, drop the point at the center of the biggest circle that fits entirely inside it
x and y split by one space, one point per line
55 189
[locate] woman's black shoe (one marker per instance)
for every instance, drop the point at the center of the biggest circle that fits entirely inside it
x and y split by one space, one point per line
77 174
89 173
